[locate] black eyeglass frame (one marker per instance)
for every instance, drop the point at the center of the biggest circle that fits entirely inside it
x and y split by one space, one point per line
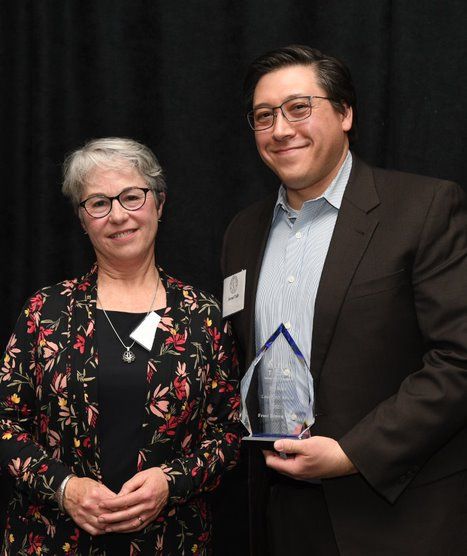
112 199
250 114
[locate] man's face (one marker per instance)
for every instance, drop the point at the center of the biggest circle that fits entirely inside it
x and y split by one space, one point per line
306 155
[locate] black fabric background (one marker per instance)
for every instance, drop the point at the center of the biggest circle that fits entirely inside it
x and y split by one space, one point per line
170 74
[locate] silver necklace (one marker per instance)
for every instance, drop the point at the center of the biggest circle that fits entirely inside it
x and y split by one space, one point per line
128 356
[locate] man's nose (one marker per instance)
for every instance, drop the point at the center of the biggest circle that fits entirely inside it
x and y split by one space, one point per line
282 127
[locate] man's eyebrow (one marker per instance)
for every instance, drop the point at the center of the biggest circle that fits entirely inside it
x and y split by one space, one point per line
290 97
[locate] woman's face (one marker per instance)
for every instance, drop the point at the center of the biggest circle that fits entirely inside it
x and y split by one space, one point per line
122 236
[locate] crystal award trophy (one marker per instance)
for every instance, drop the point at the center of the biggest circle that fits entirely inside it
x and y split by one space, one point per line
277 393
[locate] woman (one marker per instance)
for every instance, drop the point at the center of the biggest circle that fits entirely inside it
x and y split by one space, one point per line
118 390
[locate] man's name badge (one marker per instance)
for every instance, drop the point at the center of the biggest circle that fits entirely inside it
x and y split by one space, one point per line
233 299
145 332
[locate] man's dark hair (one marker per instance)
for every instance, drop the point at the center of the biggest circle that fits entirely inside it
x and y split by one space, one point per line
332 74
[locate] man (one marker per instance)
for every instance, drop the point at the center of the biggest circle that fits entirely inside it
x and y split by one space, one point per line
367 269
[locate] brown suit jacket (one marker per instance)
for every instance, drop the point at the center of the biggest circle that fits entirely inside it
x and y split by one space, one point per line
388 359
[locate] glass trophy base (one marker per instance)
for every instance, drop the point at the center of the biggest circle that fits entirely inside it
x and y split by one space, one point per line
265 441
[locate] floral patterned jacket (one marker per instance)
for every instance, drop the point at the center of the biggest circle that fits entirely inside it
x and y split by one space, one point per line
49 409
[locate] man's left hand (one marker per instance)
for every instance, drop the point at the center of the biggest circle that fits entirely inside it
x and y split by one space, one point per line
318 457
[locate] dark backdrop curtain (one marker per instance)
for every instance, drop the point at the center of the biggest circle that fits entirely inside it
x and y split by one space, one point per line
170 74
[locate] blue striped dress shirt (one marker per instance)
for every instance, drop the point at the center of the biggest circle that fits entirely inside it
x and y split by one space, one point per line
293 262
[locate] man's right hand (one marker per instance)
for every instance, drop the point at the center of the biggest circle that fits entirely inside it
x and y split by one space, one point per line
81 502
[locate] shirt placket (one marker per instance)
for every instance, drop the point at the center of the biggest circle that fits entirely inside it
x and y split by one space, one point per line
293 305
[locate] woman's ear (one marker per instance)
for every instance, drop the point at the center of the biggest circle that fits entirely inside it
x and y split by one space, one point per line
81 221
160 200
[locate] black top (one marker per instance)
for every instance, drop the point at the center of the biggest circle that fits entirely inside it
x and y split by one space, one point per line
122 395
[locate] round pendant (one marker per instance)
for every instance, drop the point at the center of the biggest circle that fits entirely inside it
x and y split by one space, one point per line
128 356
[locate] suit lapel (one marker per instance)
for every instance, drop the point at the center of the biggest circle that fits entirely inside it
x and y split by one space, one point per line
354 228
256 247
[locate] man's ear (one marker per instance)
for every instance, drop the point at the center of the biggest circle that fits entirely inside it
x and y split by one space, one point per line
347 118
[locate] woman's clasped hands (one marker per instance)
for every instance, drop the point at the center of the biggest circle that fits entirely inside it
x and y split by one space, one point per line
98 510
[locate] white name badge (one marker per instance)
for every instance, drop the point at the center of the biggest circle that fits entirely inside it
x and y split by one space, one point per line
145 332
233 299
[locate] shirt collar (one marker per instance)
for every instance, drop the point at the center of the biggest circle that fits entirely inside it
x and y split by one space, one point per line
333 194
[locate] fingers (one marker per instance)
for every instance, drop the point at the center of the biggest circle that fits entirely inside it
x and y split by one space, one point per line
106 492
132 484
126 514
91 529
128 496
139 502
128 519
315 457
131 507
82 503
147 485
289 446
90 523
278 462
85 492
121 501
134 519
129 526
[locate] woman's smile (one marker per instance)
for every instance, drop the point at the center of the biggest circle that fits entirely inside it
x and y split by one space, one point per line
123 234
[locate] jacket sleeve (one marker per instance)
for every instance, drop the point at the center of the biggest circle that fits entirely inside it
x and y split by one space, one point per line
393 442
20 453
220 429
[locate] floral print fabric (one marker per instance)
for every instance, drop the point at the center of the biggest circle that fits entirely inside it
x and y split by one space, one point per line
49 412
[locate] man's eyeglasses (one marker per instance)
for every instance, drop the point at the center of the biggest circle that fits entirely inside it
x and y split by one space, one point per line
132 198
293 110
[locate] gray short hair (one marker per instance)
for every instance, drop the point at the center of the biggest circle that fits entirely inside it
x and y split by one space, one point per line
114 153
